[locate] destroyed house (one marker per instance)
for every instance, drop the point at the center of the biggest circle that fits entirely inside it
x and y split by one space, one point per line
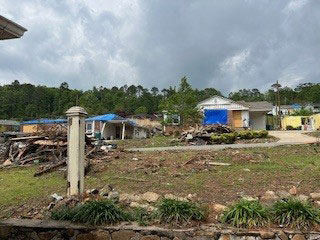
111 126
9 126
36 125
239 115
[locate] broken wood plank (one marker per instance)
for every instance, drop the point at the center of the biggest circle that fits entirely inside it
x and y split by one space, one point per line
131 179
27 138
49 169
219 164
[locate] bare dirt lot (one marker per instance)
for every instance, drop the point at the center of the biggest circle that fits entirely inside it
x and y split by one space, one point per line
251 172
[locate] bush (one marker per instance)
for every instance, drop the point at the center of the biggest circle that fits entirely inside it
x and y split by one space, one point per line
215 138
176 211
63 214
228 138
93 212
263 134
289 127
249 134
246 134
246 214
142 216
295 213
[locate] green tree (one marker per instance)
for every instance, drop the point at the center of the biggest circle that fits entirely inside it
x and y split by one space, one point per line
183 103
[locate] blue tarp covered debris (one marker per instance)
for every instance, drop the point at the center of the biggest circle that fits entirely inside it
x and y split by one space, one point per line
215 117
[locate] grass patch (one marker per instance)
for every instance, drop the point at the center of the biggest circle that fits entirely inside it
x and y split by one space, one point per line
295 213
246 214
178 212
142 216
93 212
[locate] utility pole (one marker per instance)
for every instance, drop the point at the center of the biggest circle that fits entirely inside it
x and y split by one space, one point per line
277 87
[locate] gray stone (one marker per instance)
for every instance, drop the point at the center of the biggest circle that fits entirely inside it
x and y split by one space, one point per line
5 232
114 196
224 237
315 196
303 198
123 235
283 194
150 197
266 234
269 197
298 237
150 237
282 235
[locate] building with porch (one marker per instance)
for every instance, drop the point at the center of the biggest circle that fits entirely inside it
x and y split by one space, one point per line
239 115
112 126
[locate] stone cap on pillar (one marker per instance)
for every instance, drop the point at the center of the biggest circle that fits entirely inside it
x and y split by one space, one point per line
76 111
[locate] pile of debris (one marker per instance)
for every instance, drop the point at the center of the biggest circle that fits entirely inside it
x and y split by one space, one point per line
201 135
47 147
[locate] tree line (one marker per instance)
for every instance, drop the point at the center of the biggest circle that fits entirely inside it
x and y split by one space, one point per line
27 101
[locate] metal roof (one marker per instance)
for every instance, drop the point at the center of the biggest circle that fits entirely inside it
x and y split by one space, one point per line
44 121
258 106
10 29
9 123
106 117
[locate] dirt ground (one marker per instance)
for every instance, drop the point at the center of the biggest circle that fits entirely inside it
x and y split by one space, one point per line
251 173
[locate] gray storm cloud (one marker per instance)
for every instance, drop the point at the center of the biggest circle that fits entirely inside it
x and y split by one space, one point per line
227 45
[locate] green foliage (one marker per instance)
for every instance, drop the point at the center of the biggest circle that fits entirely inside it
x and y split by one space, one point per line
228 138
289 127
302 112
183 103
246 134
246 214
93 212
63 214
142 216
250 134
140 110
175 211
295 213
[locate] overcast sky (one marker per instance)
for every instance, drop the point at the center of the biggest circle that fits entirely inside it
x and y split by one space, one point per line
227 45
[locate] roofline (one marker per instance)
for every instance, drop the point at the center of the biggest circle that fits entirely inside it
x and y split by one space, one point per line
11 27
224 98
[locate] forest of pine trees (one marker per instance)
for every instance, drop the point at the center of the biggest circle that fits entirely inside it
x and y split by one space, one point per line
27 101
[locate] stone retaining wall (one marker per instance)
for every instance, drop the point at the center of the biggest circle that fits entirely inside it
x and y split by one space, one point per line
20 229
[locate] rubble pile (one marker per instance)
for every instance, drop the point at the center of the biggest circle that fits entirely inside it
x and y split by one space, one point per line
201 135
47 147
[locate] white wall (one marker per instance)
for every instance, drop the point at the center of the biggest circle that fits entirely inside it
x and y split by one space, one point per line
245 117
257 121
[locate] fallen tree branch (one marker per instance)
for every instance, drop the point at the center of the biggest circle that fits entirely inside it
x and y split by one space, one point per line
49 169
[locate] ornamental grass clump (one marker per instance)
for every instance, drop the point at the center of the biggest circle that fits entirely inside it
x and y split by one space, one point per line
246 214
295 213
93 212
178 212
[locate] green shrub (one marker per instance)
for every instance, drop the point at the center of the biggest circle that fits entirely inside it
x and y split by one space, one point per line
176 211
295 213
142 216
246 134
263 134
246 214
63 214
93 212
289 127
215 138
228 138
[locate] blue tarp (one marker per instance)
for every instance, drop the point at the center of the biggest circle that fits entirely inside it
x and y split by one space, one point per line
106 117
45 121
215 117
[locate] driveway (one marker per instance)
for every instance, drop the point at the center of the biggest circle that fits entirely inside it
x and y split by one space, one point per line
285 138
293 136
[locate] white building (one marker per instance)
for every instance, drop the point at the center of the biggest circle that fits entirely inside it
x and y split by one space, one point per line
220 110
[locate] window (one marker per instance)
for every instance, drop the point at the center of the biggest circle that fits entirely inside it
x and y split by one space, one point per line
89 127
